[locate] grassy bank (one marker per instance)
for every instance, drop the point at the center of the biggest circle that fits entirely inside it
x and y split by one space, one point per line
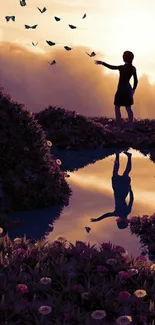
66 129
31 176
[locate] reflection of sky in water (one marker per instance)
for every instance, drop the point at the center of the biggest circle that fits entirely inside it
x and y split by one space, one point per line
92 196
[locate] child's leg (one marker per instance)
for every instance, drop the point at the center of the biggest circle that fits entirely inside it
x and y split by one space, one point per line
128 165
118 114
130 113
116 165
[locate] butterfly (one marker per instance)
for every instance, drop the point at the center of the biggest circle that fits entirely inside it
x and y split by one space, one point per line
10 17
32 27
42 10
22 3
72 26
57 18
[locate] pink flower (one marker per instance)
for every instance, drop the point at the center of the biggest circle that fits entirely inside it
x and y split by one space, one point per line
44 310
141 258
124 275
20 251
134 219
133 271
124 295
119 219
98 314
77 288
22 288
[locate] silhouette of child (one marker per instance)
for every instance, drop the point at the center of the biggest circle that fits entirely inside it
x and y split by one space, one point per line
124 93
121 187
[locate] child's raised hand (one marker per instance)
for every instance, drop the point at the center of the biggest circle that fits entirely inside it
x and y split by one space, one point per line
93 219
98 62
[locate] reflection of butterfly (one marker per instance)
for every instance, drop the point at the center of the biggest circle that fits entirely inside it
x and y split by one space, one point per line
92 54
67 48
32 27
42 10
22 3
88 229
50 43
10 17
34 44
53 62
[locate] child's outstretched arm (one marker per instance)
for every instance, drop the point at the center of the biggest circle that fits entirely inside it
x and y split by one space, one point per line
112 67
135 79
106 215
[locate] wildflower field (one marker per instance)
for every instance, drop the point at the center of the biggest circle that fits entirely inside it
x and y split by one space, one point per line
62 283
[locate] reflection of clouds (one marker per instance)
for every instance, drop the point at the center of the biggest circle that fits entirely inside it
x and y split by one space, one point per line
92 183
144 198
92 196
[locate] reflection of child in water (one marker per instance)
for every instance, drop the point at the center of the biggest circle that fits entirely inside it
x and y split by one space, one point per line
121 187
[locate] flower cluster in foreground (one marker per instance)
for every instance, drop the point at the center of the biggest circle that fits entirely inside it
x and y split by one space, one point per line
73 284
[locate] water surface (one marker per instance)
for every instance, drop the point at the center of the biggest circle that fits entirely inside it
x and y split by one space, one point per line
92 196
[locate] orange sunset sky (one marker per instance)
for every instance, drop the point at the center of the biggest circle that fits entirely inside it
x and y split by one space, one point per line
75 82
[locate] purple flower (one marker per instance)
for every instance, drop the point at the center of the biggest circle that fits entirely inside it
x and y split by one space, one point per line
124 295
124 275
78 288
106 245
120 249
68 316
101 268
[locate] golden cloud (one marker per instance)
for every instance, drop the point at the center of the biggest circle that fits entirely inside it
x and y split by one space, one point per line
74 83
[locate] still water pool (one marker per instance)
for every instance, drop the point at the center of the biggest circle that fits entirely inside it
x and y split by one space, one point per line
92 196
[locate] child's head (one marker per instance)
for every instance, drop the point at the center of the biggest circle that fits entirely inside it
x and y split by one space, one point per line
128 57
122 223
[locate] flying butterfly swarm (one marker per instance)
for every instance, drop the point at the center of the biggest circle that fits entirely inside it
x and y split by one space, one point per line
49 42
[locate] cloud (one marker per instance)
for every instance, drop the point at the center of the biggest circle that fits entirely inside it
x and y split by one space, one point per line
74 83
